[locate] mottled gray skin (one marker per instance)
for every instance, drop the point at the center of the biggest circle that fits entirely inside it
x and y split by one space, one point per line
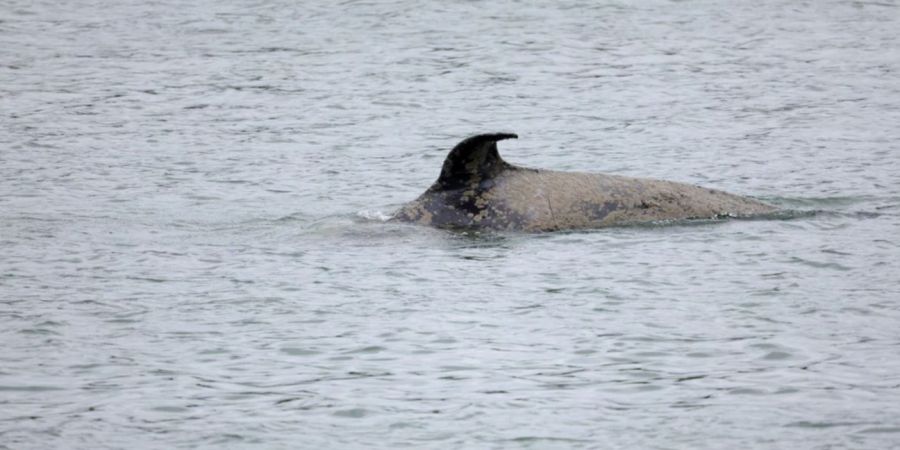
478 190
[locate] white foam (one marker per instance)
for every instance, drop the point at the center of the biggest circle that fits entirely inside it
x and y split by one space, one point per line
370 214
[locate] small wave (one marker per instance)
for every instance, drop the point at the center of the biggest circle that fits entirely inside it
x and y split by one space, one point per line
373 215
361 226
823 202
294 217
781 214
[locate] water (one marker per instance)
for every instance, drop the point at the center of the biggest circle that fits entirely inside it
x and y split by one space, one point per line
194 251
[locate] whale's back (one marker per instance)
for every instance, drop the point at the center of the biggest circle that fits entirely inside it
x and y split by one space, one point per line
570 200
478 189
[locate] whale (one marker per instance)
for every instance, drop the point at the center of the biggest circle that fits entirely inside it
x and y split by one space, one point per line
478 190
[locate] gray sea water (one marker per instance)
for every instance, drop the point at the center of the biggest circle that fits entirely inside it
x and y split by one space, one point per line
194 253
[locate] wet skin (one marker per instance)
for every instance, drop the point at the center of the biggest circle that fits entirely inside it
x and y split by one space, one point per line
478 190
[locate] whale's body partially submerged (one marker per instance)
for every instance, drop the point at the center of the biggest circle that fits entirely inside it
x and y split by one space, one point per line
479 190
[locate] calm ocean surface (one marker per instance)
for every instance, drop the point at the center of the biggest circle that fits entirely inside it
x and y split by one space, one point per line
194 253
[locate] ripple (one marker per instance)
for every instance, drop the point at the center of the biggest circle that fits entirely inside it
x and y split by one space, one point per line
30 388
806 424
353 413
820 265
368 349
880 430
293 351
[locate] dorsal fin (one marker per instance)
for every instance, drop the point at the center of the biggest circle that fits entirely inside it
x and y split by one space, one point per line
473 160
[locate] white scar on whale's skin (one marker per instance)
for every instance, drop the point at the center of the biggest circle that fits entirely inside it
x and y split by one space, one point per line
478 190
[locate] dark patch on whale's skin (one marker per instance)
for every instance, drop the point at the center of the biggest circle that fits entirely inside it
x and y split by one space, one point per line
463 209
598 212
477 189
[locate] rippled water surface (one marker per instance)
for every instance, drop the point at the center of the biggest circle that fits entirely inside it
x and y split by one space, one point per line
194 250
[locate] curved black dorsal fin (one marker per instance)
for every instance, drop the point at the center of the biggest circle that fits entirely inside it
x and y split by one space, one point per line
473 160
